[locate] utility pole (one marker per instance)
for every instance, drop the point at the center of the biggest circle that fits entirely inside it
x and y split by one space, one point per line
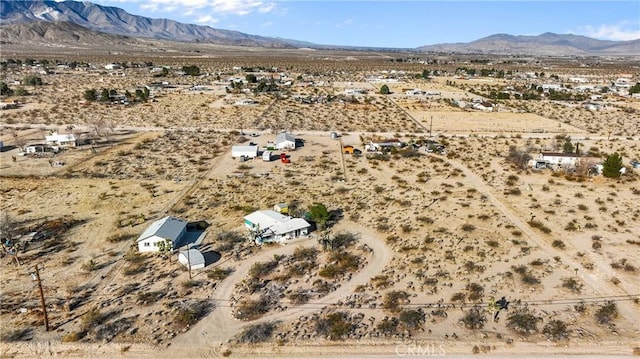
430 126
36 276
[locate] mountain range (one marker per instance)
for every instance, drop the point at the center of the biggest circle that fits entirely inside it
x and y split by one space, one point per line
89 24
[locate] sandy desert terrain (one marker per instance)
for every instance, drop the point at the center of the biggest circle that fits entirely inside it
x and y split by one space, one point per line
425 241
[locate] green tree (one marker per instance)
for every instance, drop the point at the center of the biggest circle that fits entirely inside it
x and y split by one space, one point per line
635 88
251 78
319 214
32 81
141 95
5 90
612 165
104 95
21 91
385 90
425 74
567 147
90 95
192 70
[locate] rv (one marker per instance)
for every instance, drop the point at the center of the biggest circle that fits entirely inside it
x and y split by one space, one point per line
266 156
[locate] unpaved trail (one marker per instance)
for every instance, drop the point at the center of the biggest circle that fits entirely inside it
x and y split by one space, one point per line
596 279
209 335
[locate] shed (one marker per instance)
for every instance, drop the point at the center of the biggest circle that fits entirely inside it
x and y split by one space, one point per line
192 258
285 141
244 151
281 208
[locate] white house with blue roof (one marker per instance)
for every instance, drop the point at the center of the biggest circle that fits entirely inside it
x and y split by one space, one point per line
167 228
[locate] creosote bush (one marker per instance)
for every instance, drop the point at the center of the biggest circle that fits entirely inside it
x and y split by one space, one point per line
523 321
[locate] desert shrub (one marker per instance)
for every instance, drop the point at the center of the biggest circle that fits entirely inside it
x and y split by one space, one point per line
150 297
225 241
474 319
474 291
528 278
305 253
335 325
250 309
412 319
89 265
71 337
344 240
16 335
458 297
219 273
493 244
91 319
523 321
606 313
572 284
393 300
260 269
558 244
191 313
468 227
115 238
388 326
342 262
556 330
257 333
539 225
299 297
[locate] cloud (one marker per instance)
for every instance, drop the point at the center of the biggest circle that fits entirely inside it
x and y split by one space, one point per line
217 7
206 19
623 31
346 23
267 24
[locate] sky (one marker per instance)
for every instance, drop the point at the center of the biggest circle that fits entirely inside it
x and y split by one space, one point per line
398 24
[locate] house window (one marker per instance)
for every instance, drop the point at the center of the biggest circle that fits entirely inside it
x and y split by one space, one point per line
147 244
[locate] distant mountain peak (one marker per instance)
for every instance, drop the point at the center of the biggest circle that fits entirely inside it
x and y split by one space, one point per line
547 43
113 20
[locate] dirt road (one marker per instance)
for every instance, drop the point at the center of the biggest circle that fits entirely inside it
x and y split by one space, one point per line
207 337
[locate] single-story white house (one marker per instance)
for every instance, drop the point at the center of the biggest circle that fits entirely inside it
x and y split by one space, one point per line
245 102
285 141
557 160
244 151
112 67
167 228
483 106
275 227
65 140
193 258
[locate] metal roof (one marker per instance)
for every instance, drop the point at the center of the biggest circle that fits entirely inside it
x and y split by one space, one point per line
168 227
283 137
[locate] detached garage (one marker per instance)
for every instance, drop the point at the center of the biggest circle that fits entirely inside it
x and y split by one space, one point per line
191 257
244 151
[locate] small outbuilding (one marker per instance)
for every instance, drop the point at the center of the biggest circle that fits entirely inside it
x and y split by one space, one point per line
192 258
244 151
285 141
281 208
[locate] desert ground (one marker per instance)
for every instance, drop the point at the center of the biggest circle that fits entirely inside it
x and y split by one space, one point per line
422 242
